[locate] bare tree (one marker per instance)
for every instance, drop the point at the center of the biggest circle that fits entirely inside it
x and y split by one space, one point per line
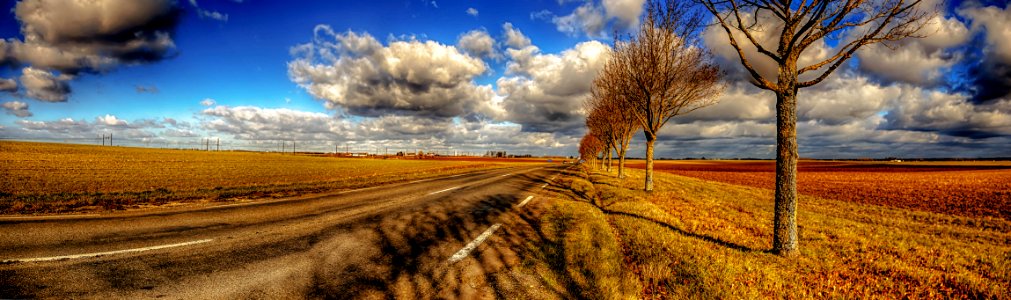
589 147
604 106
662 72
599 125
799 25
604 136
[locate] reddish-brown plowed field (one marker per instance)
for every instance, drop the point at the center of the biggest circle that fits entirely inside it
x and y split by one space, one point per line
960 188
498 159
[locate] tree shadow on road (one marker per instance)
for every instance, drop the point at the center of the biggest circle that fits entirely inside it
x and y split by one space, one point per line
405 254
399 252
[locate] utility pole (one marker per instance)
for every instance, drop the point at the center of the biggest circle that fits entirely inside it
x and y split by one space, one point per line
110 139
292 146
219 144
282 147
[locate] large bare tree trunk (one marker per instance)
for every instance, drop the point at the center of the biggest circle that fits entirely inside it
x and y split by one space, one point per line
649 162
784 240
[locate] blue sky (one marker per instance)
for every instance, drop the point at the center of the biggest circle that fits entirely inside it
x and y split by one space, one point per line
242 61
524 97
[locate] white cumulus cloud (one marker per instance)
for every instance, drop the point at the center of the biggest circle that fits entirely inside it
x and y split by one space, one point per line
514 37
356 73
17 108
477 43
45 86
545 92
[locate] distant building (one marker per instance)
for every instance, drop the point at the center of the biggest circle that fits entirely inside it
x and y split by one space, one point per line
498 154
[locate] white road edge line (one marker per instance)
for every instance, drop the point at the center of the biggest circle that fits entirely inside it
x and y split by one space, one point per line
355 190
452 188
37 259
473 244
525 201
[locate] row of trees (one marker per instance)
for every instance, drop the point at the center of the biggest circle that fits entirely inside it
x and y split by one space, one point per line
663 71
652 76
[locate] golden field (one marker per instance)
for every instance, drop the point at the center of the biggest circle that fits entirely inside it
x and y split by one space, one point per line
42 177
698 239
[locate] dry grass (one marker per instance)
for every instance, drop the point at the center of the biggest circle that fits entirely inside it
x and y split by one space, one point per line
40 177
696 239
577 250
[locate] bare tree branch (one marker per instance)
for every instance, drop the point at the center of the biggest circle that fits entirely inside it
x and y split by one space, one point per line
855 23
759 81
660 72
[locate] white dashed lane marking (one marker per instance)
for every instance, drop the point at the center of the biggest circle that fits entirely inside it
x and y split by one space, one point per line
473 244
449 189
525 201
460 255
36 259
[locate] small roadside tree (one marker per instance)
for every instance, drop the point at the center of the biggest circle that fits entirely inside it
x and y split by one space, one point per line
589 147
662 71
799 25
600 126
604 106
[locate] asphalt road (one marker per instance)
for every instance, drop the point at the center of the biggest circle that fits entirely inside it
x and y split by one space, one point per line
392 240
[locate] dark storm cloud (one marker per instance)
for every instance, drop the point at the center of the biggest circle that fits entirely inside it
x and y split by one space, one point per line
990 80
990 76
91 36
65 38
